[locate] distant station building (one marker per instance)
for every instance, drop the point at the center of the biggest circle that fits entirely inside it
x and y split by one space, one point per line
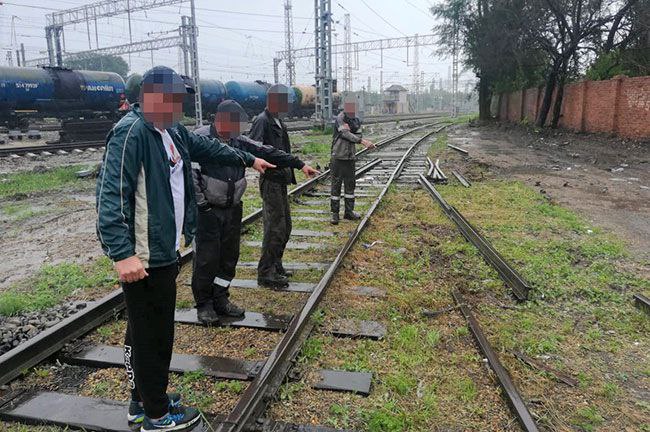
395 100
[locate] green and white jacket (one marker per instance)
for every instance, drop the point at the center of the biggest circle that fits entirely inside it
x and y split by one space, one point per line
135 208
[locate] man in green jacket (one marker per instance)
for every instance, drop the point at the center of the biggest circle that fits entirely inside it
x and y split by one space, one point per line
145 202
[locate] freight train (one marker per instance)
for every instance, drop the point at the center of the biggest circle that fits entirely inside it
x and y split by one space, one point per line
250 95
53 91
68 94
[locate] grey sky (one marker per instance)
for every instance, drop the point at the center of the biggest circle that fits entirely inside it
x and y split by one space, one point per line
241 46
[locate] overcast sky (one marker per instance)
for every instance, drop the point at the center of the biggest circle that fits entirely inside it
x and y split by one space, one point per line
238 39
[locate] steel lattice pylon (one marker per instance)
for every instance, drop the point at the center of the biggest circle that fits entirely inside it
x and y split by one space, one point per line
347 59
288 43
323 63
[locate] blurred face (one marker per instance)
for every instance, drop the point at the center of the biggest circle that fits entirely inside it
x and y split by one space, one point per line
162 109
277 103
229 124
350 109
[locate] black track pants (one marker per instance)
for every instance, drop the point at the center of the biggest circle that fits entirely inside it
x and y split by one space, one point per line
277 226
150 305
343 172
216 252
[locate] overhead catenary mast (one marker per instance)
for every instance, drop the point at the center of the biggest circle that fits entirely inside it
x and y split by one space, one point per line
288 43
323 60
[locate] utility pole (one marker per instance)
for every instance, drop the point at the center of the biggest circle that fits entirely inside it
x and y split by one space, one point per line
416 73
323 60
369 83
288 43
347 59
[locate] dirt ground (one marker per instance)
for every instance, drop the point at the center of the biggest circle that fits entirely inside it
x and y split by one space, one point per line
603 178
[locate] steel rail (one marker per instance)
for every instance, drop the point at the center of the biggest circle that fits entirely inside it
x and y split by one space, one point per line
186 255
461 179
81 145
642 302
26 355
510 276
514 398
254 400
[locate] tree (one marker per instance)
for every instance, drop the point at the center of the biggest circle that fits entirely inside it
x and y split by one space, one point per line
105 63
493 43
573 28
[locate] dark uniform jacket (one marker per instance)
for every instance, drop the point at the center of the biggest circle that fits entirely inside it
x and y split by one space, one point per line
220 185
266 130
344 141
135 207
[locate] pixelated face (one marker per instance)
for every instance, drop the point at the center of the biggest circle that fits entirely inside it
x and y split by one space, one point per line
161 108
350 108
278 102
229 124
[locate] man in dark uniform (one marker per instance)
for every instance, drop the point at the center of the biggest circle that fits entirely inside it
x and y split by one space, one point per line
269 128
219 189
347 134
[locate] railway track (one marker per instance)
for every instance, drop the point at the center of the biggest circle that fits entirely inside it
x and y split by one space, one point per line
511 278
93 145
377 170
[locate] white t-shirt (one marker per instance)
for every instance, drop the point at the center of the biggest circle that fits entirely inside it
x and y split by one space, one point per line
176 181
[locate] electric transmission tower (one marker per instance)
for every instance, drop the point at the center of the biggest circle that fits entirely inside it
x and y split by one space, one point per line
347 59
288 43
323 61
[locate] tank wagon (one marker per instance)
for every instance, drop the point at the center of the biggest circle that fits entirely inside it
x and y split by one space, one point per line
50 91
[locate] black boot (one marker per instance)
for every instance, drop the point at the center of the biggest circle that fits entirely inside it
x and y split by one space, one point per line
350 214
273 281
335 205
282 271
224 307
206 314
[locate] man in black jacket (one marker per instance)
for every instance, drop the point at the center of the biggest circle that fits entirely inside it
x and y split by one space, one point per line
219 189
269 128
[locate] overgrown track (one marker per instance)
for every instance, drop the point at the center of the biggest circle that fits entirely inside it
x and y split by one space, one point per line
378 169
520 289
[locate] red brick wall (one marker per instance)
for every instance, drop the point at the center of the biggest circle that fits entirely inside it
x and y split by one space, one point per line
601 101
634 107
514 106
620 105
572 106
530 104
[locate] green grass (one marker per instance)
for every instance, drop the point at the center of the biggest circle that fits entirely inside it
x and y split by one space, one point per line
18 212
580 318
30 182
54 283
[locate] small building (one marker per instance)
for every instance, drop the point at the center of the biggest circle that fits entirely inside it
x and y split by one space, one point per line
395 100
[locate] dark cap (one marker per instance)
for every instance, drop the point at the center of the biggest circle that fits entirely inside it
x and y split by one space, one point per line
164 80
231 106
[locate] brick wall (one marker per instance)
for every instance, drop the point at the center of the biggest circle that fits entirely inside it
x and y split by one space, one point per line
620 105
